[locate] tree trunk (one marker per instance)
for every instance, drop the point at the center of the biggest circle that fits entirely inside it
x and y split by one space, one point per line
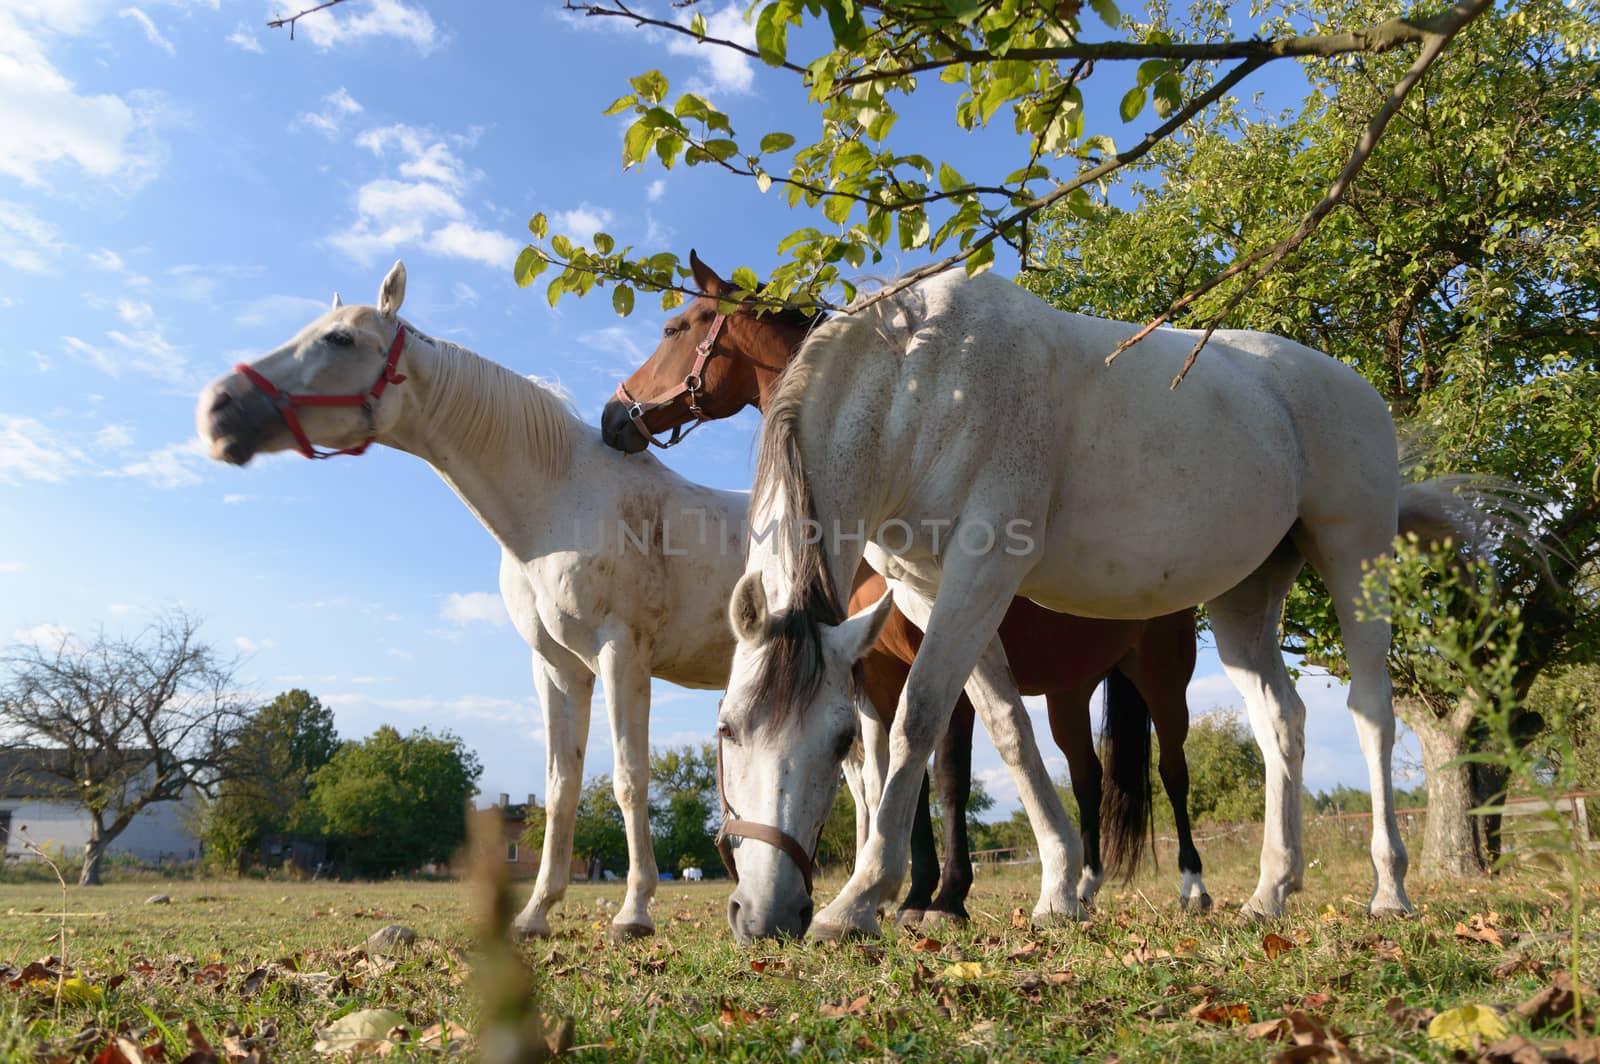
93 850
1453 843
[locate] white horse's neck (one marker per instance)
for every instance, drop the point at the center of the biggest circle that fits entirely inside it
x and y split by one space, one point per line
499 440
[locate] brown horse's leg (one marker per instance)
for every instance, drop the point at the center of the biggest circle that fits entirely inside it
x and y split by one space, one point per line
1074 733
1161 671
953 773
924 863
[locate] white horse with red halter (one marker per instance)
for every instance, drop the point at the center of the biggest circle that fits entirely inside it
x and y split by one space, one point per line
977 440
611 566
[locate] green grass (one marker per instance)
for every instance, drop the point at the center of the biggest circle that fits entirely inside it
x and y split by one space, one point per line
1125 984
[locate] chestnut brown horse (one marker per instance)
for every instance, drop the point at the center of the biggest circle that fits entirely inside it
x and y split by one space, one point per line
709 366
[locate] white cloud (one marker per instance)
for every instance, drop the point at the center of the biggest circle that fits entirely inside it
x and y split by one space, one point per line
475 707
336 107
421 205
243 37
465 295
27 242
120 609
176 465
11 567
135 312
114 438
152 34
378 18
31 451
462 241
583 221
724 69
107 260
474 606
233 498
45 636
282 310
143 349
655 190
48 123
246 645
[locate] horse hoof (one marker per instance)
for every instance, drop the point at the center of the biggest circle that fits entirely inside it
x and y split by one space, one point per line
822 932
629 932
1388 912
909 917
532 929
1053 919
1201 904
1205 903
940 918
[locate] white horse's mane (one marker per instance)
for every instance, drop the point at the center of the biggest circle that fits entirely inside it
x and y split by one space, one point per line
490 406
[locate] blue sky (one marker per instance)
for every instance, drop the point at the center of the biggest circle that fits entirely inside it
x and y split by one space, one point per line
182 188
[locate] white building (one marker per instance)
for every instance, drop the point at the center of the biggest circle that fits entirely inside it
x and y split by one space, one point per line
163 831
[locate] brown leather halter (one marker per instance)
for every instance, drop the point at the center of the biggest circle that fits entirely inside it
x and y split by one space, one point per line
691 386
734 827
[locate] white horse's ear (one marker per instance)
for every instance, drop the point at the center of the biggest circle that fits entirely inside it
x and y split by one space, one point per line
392 292
747 610
337 302
854 636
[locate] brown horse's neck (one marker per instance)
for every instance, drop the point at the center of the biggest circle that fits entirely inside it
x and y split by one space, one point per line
768 369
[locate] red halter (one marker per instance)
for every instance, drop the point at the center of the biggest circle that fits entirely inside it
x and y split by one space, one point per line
690 386
367 401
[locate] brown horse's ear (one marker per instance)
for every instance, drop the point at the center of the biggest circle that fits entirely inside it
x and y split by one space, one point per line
705 276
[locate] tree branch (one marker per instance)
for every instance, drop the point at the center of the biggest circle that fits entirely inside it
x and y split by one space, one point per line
292 19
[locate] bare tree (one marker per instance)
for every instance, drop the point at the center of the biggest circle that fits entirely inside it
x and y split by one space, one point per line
117 725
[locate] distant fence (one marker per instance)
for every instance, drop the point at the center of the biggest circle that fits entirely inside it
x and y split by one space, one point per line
1574 805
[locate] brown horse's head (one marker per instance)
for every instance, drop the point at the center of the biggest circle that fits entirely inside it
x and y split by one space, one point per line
747 356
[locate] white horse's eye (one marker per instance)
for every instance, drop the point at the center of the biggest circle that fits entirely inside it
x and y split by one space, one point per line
340 339
724 729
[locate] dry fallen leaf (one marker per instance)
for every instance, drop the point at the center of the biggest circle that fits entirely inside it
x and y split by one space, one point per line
358 1031
1227 1014
962 972
927 945
834 1010
1275 945
1466 1028
731 1015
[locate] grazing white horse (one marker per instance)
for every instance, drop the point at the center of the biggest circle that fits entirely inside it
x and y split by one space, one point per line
611 567
976 437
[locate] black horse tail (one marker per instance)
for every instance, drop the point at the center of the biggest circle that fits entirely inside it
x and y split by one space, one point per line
1126 815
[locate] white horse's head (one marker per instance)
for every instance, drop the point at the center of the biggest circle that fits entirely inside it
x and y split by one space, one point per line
785 726
282 401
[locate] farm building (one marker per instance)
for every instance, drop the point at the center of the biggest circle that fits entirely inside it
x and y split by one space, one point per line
31 797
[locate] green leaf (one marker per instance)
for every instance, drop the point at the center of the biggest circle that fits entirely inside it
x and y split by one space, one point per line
557 286
536 226
691 106
746 279
603 243
561 246
671 299
836 208
1132 104
1107 10
621 103
981 260
772 33
777 142
622 300
529 265
721 149
1168 91
763 180
651 86
636 143
949 179
1150 70
697 25
913 229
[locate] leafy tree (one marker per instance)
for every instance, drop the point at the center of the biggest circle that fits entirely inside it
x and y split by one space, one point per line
533 821
270 767
683 807
598 828
1461 277
392 802
118 725
1028 60
1227 778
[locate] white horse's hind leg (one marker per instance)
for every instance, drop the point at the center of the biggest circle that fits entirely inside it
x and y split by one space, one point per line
565 688
625 672
858 797
1244 621
1371 701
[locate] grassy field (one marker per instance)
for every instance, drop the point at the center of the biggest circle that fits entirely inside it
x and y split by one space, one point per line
1138 981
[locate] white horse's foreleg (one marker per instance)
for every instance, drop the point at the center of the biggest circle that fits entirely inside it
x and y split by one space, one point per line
858 797
565 688
975 592
624 669
1371 701
1244 621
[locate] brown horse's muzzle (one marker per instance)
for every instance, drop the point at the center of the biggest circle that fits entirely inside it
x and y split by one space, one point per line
232 416
618 431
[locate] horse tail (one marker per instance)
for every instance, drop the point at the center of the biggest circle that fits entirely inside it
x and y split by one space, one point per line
1126 814
1483 515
